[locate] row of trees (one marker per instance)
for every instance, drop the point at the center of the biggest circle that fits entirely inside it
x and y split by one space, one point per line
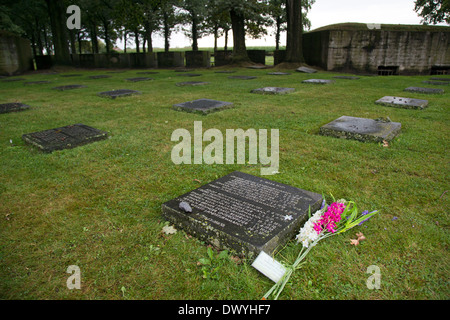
43 22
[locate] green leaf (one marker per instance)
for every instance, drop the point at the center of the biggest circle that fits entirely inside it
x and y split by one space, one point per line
210 253
223 255
204 261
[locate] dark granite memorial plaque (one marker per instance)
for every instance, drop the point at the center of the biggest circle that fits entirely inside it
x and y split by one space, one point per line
147 72
13 79
64 138
242 77
13 107
138 79
243 213
437 83
70 75
190 75
399 102
118 93
203 106
69 87
191 83
318 81
36 82
424 90
277 73
100 76
273 90
225 71
440 79
361 129
257 67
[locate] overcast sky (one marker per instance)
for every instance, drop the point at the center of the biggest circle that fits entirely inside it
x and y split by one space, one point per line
322 13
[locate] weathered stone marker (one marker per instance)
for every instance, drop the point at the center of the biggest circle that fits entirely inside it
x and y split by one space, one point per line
346 77
243 213
242 77
64 138
118 93
437 83
399 102
277 73
361 129
424 90
36 82
203 106
100 76
13 107
306 70
273 90
191 83
138 79
69 87
318 81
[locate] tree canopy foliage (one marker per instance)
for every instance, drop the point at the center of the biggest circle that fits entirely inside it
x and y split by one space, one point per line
433 11
104 22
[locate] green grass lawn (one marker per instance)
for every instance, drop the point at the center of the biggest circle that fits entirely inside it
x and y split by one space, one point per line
99 206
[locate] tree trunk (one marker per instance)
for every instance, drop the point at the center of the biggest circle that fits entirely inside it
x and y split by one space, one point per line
294 49
93 35
136 37
216 36
166 31
238 27
107 41
277 33
226 40
58 24
194 33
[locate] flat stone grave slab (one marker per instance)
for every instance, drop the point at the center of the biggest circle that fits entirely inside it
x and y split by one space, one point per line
117 71
437 83
273 90
318 81
203 106
13 107
306 70
424 90
257 67
242 77
29 83
100 76
361 129
399 102
225 71
346 77
64 137
191 83
138 79
13 79
440 79
147 72
184 70
69 87
190 75
278 73
70 75
118 93
243 213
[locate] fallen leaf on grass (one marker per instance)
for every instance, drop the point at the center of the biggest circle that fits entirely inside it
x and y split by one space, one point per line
354 242
385 144
360 236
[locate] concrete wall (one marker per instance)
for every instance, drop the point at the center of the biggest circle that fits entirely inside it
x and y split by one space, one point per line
15 54
413 52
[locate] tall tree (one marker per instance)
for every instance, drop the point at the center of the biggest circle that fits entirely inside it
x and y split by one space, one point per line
57 12
243 14
295 21
195 17
433 11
